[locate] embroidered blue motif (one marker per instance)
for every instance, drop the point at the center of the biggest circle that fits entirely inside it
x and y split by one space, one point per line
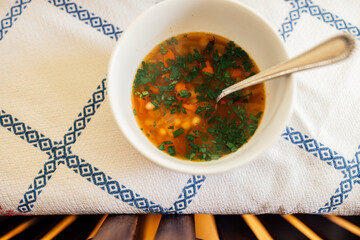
301 7
60 152
101 25
12 16
350 169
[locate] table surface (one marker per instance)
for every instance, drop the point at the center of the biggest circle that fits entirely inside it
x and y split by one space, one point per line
184 227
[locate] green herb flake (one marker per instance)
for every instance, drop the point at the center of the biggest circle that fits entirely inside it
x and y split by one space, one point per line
190 137
171 127
210 47
196 132
171 150
172 41
204 137
167 88
154 124
134 111
178 132
191 155
163 51
175 72
195 56
184 94
161 147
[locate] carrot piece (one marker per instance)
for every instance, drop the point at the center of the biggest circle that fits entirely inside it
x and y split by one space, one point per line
190 107
142 104
208 68
168 55
165 75
180 86
154 89
235 72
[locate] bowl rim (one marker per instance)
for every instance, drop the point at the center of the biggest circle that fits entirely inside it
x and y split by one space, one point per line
184 166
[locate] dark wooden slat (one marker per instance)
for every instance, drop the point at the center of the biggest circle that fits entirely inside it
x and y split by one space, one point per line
279 228
118 227
80 228
12 222
176 227
233 227
43 225
353 219
4 219
325 228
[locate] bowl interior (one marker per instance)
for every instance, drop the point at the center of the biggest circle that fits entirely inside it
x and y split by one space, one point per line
223 17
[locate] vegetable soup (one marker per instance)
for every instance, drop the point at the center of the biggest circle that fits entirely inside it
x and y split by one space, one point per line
174 96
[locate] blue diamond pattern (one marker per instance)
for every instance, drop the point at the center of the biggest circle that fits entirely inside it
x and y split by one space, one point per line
194 183
308 7
32 136
72 161
99 178
50 167
45 144
6 120
85 16
127 196
112 187
15 12
19 128
85 170
40 182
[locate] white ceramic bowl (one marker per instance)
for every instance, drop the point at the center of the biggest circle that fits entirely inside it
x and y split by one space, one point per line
227 18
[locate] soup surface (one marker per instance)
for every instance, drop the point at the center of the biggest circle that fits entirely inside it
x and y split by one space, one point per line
174 96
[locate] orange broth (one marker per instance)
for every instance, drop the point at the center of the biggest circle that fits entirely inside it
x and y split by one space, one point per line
174 96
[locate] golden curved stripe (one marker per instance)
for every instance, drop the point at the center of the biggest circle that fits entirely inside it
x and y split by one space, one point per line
257 227
97 227
59 227
22 227
299 225
344 224
205 227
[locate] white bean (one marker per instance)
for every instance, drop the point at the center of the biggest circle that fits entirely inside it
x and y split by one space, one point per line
196 120
149 106
177 122
162 132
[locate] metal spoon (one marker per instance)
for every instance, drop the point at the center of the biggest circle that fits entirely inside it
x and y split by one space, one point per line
328 52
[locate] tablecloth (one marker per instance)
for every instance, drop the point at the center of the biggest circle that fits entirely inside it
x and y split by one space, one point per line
62 152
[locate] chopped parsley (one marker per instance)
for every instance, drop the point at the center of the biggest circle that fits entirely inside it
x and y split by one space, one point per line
184 94
171 150
184 90
178 132
172 41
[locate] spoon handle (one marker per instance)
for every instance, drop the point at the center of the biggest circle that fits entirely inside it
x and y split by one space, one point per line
328 52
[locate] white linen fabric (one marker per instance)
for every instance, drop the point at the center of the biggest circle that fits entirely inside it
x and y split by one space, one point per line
61 151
